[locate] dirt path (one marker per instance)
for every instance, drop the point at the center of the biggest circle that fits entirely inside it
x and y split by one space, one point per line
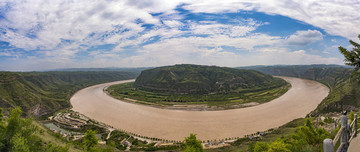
302 98
355 144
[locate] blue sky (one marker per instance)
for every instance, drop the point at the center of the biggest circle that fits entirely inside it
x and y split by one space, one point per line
43 35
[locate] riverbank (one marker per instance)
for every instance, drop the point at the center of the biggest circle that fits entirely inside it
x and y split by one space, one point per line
302 98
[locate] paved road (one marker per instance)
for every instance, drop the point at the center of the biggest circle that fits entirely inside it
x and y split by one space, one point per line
302 98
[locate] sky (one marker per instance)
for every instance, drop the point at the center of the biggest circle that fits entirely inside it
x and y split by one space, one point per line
55 34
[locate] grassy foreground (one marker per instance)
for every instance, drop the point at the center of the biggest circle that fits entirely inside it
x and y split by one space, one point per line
127 91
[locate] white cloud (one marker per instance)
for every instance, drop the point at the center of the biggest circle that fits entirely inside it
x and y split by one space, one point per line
52 21
221 29
335 17
84 22
6 54
294 57
304 37
61 29
247 43
240 29
173 23
208 50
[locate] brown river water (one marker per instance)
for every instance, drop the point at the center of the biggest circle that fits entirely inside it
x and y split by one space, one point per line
298 101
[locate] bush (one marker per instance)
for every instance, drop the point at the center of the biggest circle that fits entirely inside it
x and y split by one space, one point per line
192 144
305 137
329 120
18 134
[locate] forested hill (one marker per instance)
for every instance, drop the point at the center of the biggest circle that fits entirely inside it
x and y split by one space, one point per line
41 93
198 79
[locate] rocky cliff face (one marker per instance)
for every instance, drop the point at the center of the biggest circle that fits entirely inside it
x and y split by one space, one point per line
197 79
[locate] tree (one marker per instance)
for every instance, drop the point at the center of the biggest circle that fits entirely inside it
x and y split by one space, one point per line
55 148
278 146
309 134
2 130
352 57
306 138
90 141
1 114
351 116
17 134
261 147
19 144
192 144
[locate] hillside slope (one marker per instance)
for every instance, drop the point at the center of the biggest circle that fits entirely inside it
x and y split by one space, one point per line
345 90
197 79
41 93
345 96
330 75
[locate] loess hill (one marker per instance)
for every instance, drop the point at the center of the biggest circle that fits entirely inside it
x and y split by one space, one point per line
198 79
43 93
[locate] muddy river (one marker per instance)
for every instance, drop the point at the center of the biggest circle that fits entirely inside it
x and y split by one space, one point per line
301 98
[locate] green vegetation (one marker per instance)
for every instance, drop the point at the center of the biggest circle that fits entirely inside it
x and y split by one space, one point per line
352 57
116 138
120 140
210 85
246 143
25 135
306 138
90 141
128 91
329 120
42 93
19 134
345 96
192 144
54 140
299 135
197 79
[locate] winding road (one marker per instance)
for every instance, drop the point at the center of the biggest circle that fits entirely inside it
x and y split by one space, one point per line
299 100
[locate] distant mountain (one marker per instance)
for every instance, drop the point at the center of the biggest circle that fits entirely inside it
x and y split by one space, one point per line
41 93
134 70
291 70
198 79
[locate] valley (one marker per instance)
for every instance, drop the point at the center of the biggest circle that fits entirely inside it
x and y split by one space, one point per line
301 99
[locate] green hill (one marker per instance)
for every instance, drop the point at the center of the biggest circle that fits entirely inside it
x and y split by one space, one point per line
345 96
197 79
41 93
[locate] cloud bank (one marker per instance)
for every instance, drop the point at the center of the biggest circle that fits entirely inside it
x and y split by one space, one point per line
84 33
